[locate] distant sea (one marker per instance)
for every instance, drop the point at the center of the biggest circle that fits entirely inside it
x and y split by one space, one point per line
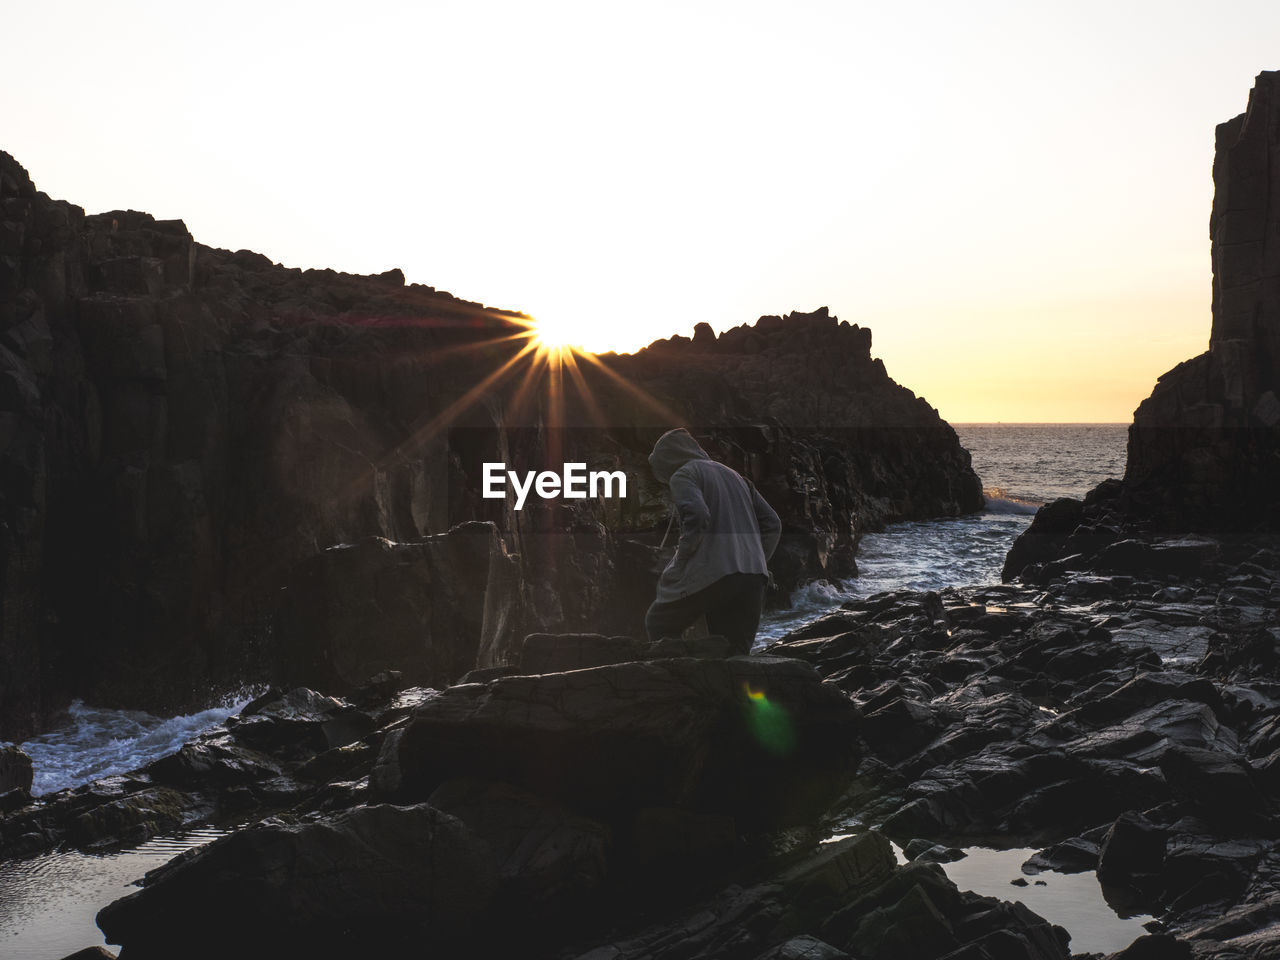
1022 466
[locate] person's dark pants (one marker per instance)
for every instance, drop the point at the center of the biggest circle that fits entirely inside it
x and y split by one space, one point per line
732 606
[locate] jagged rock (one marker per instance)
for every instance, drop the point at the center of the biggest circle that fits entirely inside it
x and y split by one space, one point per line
1043 540
298 720
1133 848
1218 782
132 818
432 609
1074 855
14 799
351 760
1202 871
747 921
803 948
552 864
1156 946
1182 557
215 760
759 739
16 772
373 879
927 851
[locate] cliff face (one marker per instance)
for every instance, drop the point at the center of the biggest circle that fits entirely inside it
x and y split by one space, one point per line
1204 448
189 438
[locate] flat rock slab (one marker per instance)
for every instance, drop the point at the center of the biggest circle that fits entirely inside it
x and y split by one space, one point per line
1176 644
761 739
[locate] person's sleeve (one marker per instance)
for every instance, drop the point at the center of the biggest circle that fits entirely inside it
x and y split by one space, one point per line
767 519
695 519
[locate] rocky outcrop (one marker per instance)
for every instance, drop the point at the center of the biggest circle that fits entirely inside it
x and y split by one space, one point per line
798 404
185 433
759 741
1124 722
645 810
1204 448
15 777
433 608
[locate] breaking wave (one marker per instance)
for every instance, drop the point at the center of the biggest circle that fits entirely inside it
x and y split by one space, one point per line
95 742
1000 500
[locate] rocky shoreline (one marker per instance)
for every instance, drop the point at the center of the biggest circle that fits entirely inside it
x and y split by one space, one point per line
1123 723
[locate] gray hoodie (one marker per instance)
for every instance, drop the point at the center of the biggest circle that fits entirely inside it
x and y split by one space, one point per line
725 525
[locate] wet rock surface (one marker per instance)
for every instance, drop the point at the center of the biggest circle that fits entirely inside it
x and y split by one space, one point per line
649 808
1124 722
641 808
15 771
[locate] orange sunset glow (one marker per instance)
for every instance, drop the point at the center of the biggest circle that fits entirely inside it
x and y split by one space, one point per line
1012 199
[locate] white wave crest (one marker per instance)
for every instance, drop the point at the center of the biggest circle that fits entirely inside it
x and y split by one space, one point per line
96 742
1000 500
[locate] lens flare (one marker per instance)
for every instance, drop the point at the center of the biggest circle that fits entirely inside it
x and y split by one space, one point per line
769 722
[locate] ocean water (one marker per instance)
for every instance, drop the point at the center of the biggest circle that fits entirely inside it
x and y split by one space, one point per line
91 742
1074 901
48 903
1022 466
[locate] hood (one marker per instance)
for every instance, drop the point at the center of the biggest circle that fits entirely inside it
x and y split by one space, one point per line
673 450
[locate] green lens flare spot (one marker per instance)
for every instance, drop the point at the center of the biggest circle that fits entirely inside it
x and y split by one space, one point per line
768 722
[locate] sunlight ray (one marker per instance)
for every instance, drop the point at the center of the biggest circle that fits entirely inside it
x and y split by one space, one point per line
654 405
584 391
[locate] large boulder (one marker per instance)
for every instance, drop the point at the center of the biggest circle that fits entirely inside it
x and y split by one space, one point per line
760 739
373 881
1044 539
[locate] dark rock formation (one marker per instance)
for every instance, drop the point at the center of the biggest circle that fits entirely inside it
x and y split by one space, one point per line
758 740
1126 722
15 770
184 432
404 877
486 867
434 608
640 810
622 811
1204 448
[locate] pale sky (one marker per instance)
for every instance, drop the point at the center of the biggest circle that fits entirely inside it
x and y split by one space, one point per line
1014 197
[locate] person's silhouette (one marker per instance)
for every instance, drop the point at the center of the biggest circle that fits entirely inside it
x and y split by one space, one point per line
727 534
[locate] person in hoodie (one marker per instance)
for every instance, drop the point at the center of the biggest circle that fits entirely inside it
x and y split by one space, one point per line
727 534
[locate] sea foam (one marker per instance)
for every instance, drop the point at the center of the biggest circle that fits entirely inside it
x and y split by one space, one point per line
95 742
1002 501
